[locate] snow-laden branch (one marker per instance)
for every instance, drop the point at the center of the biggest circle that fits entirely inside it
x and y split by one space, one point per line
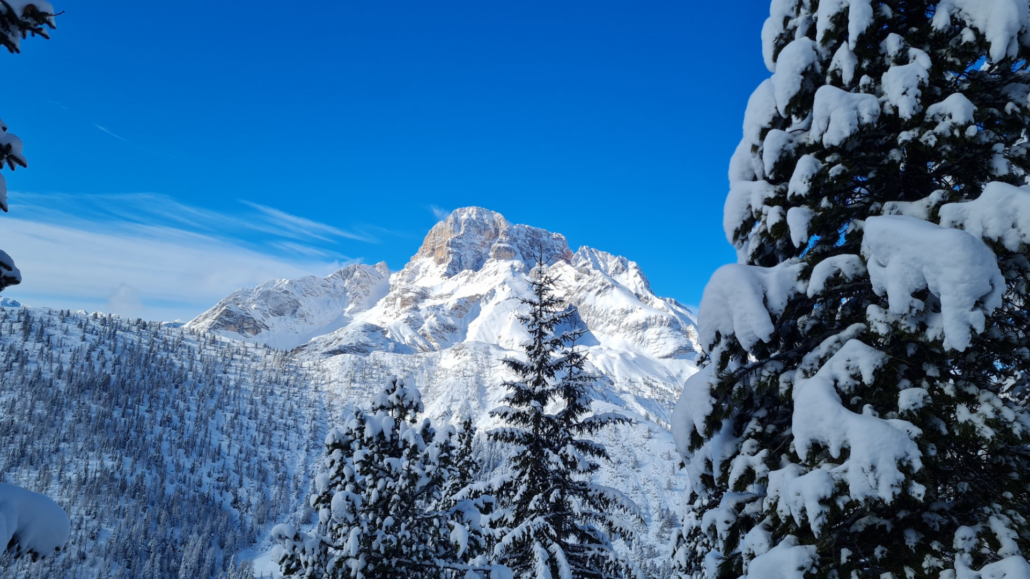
30 522
905 255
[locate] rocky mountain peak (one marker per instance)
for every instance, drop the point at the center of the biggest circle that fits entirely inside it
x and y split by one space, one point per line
471 235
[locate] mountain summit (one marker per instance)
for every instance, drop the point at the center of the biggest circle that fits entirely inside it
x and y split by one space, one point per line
472 235
286 313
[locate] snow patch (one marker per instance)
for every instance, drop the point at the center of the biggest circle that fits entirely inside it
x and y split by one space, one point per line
32 521
795 60
905 255
1002 22
877 447
739 299
1001 213
787 560
837 114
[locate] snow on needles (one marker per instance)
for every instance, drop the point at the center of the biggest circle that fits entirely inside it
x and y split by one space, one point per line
796 59
902 87
1003 22
801 180
739 299
956 110
1001 214
877 446
787 560
848 266
798 220
744 200
905 255
34 522
838 114
693 408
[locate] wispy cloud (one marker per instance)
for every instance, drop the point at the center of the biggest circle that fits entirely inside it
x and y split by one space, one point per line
439 212
306 227
153 210
151 256
291 247
109 132
154 273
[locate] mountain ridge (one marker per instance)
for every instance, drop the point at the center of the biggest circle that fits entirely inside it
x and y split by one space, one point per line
467 241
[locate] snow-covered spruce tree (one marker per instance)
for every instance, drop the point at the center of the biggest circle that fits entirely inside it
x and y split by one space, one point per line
30 524
18 20
554 523
467 498
379 501
855 417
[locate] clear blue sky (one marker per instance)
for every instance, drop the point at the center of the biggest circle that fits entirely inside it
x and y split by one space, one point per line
155 125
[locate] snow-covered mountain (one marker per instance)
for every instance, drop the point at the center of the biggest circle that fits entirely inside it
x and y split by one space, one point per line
449 316
463 285
454 305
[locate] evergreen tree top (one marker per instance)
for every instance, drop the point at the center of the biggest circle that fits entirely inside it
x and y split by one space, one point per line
398 400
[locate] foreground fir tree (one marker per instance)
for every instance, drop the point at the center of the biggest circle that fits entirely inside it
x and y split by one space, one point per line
19 19
30 524
382 512
859 414
556 524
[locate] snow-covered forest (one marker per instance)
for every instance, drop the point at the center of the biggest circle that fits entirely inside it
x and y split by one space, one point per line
170 452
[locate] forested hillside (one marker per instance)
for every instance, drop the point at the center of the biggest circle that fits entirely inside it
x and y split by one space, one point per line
86 401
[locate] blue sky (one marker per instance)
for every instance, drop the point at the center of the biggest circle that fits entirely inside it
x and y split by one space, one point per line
180 149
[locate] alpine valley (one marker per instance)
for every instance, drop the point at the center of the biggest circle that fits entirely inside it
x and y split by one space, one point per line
218 425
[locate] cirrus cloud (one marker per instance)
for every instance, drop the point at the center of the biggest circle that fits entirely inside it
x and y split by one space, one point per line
149 256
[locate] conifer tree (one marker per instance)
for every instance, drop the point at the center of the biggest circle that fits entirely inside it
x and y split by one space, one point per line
380 501
467 498
860 412
23 509
18 20
556 523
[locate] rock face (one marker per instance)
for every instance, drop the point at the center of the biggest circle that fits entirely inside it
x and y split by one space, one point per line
287 313
472 235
